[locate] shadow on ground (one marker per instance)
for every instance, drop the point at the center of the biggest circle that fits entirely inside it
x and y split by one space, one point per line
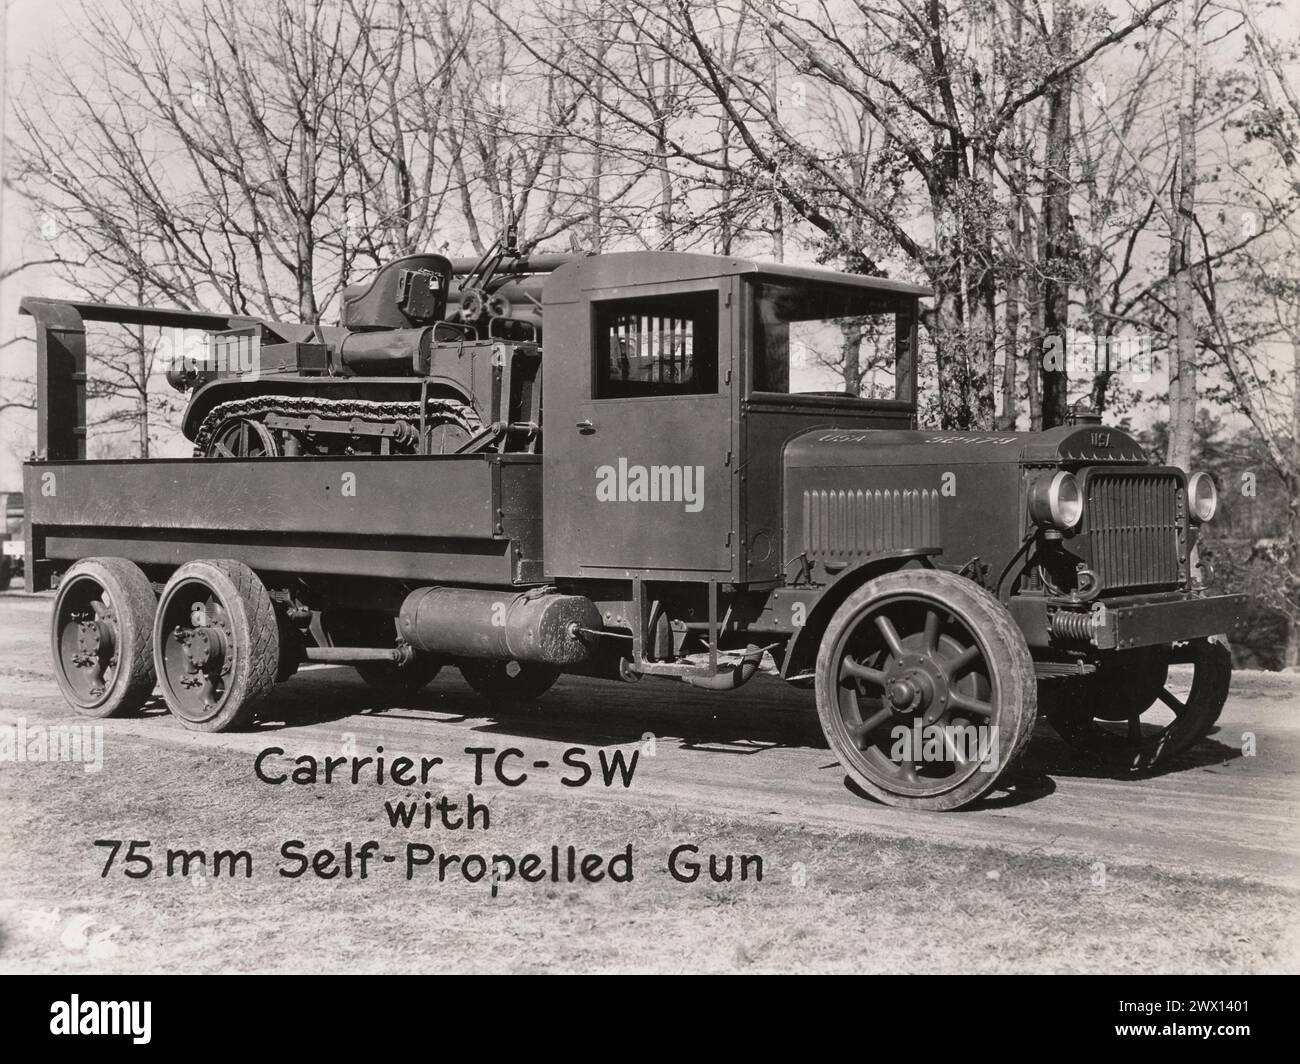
767 716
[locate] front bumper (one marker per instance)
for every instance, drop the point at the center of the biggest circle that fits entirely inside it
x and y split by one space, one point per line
1167 619
1126 623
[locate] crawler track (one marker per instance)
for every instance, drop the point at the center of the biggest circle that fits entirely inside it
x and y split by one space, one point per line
439 411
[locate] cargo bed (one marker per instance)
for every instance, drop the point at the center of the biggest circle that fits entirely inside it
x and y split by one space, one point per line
467 519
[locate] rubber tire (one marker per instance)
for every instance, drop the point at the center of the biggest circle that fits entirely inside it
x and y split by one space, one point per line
493 682
1068 711
134 679
257 637
400 681
1220 659
1004 647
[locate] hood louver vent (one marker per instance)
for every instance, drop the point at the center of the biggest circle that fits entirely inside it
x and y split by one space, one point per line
847 526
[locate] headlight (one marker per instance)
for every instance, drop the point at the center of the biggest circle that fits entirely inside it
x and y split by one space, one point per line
1203 497
1055 500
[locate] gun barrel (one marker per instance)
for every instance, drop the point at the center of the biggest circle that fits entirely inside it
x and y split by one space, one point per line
527 264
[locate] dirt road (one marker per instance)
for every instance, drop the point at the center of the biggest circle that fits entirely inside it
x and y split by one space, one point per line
758 755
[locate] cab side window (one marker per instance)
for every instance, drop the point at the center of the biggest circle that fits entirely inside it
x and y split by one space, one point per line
657 345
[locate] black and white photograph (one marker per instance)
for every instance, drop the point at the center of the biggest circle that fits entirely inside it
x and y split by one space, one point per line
651 487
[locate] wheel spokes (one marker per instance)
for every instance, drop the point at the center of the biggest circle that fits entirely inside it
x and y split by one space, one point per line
931 631
954 751
1171 701
861 672
859 732
890 635
963 661
958 700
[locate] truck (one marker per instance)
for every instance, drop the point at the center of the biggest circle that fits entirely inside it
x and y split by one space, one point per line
11 538
732 480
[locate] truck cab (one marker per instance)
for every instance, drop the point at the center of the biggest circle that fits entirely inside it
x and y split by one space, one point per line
673 382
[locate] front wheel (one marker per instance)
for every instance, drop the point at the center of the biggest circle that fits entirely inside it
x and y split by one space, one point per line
925 689
1132 715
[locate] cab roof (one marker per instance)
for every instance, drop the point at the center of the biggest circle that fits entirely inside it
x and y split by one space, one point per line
627 269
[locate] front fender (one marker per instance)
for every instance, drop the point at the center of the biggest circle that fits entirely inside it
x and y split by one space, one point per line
802 648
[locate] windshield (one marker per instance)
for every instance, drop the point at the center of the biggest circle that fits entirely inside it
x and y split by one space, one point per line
819 340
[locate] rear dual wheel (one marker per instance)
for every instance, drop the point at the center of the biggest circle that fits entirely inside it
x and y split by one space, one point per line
216 645
925 689
101 633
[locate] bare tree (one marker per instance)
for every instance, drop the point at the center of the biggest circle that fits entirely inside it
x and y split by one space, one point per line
915 76
1183 363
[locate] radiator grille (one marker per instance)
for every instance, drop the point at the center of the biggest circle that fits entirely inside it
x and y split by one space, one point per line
848 525
1134 525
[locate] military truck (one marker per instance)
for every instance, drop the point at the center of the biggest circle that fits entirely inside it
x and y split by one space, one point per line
731 480
11 538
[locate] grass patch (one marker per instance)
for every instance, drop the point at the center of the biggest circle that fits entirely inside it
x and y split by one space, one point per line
828 901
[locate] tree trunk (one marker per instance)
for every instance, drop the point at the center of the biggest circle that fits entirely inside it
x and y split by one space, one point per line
1182 374
951 356
1017 245
1011 346
980 345
951 339
778 223
1007 419
1056 226
725 209
1103 363
851 356
1034 306
667 241
982 301
595 191
142 371
1291 651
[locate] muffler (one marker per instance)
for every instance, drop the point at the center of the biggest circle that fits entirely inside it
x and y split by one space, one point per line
540 624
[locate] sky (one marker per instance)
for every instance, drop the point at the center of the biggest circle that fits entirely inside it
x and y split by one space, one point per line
31 26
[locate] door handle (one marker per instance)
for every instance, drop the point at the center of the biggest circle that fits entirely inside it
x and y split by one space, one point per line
585 426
